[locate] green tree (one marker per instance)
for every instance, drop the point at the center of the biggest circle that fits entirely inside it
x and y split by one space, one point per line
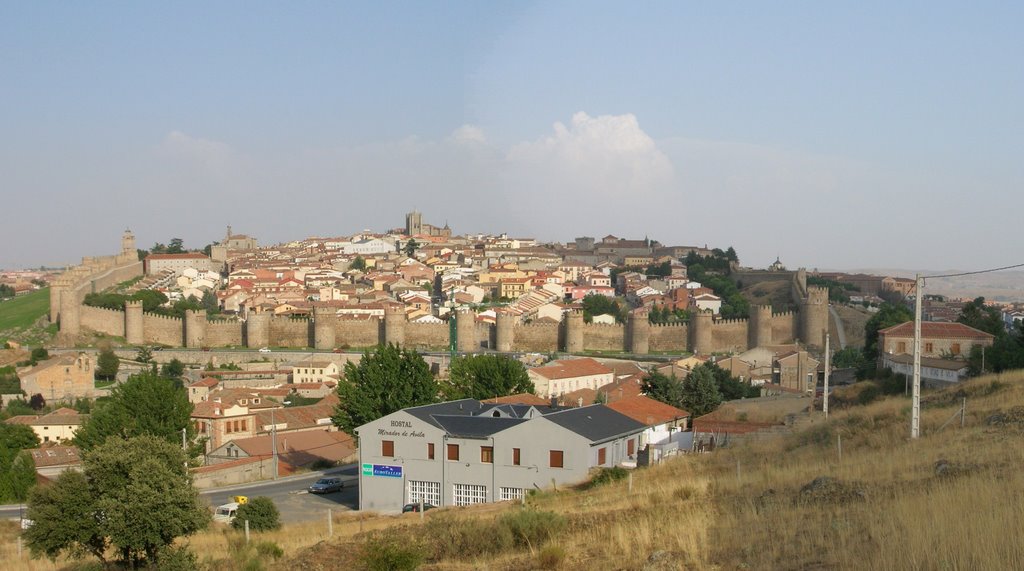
22 476
17 437
144 405
597 304
982 317
848 358
37 402
151 300
177 246
210 303
486 376
107 364
173 369
730 387
39 354
358 264
700 392
410 247
134 495
143 354
260 512
887 316
385 381
664 388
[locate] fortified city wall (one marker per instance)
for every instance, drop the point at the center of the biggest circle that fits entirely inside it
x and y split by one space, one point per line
703 335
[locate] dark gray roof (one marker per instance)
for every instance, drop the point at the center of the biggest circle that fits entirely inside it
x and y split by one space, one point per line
475 426
464 407
596 423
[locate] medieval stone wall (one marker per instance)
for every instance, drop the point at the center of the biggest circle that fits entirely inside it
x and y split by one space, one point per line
357 332
536 337
604 337
223 333
102 320
163 330
784 327
729 335
290 332
426 336
671 338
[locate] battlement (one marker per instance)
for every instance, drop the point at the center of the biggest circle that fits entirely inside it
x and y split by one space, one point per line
537 325
603 325
789 313
170 318
738 320
677 325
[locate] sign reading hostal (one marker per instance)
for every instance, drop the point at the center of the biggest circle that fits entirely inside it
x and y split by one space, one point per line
381 470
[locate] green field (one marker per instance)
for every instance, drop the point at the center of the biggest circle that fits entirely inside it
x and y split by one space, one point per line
21 312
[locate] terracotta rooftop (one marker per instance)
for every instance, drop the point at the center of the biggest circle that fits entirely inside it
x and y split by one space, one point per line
571 368
936 330
521 398
647 410
184 256
55 456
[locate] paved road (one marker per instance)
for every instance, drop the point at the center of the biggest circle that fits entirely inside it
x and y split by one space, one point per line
292 499
839 326
289 494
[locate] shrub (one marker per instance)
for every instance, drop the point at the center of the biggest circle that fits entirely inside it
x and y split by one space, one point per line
530 527
605 476
260 512
550 557
176 559
390 554
269 549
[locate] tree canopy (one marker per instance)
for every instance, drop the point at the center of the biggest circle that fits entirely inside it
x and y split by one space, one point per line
486 376
17 470
358 264
387 380
107 364
133 495
144 405
700 394
887 316
597 304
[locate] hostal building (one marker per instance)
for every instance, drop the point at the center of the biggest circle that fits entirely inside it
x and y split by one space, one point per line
466 452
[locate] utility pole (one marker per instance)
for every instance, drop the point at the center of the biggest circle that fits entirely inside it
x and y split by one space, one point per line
273 440
828 368
915 415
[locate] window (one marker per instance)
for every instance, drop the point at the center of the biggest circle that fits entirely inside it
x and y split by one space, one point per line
487 454
511 494
228 424
602 456
630 447
556 460
387 448
430 451
954 348
515 457
429 492
453 452
245 425
901 347
929 348
468 494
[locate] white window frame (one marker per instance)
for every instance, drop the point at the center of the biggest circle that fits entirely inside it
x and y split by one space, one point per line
429 491
508 494
468 494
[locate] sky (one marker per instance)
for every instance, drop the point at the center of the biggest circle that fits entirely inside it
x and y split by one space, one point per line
833 135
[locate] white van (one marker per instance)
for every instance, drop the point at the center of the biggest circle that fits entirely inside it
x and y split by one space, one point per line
225 513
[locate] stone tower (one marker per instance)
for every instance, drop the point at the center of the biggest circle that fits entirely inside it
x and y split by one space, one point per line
574 331
639 332
195 328
128 244
257 330
394 324
504 334
413 223
465 328
759 329
700 332
814 316
324 319
70 324
133 328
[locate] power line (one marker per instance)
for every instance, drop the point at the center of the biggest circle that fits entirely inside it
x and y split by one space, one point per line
977 272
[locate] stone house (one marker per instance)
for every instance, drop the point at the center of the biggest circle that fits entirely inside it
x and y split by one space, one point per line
938 340
568 375
61 378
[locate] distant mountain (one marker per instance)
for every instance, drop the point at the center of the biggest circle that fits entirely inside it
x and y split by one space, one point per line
996 286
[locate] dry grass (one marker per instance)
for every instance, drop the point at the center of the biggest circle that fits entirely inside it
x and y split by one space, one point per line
887 507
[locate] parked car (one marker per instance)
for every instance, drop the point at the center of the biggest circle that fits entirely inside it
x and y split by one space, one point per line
415 508
264 349
326 486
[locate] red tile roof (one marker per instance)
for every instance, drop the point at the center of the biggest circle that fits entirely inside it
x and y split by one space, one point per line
936 330
571 368
185 256
521 398
647 410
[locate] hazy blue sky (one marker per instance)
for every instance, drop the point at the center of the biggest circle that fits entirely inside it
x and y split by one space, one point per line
872 134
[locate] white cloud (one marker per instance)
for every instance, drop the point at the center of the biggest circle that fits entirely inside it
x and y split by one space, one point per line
607 155
213 154
469 134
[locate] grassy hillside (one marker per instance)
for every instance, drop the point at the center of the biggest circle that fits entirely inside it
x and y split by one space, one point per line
953 499
19 316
